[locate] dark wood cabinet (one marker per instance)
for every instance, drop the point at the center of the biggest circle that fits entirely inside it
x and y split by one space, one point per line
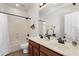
36 49
33 48
48 52
42 54
30 50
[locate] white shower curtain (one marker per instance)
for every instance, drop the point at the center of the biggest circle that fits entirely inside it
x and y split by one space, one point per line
4 36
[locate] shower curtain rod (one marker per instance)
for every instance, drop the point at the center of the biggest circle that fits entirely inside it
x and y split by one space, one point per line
15 15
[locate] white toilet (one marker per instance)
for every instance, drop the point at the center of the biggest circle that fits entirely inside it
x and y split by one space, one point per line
24 47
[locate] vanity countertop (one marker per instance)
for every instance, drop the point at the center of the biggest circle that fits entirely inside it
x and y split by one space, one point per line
66 49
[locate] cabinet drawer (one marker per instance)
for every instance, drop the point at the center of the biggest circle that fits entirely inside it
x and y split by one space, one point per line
34 44
48 51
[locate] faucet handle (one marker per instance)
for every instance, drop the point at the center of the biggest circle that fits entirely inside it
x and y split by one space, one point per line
74 43
60 40
40 36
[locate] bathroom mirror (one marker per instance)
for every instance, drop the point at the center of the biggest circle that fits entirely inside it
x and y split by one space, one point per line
46 29
42 27
50 30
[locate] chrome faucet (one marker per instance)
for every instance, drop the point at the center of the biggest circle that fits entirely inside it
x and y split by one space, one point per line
48 36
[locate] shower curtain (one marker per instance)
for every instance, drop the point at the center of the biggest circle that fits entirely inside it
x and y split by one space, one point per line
4 36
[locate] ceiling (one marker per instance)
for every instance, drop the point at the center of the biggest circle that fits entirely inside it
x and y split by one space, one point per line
24 6
49 5
27 6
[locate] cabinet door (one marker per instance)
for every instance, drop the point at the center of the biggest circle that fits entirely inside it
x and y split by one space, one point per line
30 50
48 52
35 51
42 54
34 48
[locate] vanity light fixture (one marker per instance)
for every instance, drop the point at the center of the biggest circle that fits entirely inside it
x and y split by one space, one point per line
42 4
74 4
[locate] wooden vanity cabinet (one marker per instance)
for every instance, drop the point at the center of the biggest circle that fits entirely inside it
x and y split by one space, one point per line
33 48
47 52
43 54
36 49
30 50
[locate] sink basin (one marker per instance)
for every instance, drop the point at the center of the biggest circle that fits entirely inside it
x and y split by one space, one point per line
54 42
51 38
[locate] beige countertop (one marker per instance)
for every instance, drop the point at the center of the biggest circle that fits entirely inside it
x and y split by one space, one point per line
66 49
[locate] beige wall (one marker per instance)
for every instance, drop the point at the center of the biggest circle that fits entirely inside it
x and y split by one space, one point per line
34 14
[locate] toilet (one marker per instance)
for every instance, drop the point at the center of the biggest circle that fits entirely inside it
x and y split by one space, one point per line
24 47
